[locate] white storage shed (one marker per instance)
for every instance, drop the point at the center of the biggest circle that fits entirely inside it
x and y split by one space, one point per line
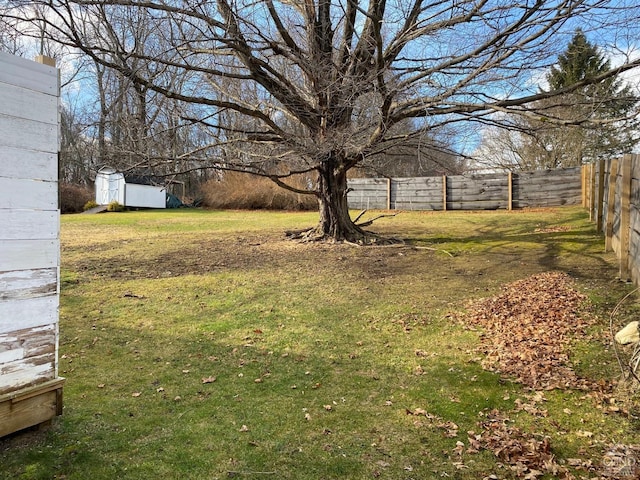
112 185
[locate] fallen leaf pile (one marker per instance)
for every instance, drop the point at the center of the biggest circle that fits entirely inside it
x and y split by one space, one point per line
560 228
526 329
527 455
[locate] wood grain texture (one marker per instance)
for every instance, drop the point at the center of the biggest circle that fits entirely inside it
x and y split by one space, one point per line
22 284
470 192
30 406
28 313
30 75
28 164
29 224
29 254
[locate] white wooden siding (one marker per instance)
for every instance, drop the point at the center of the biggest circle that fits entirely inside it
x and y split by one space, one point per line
29 75
18 193
28 313
28 134
28 353
29 254
144 196
25 224
32 165
30 225
21 284
26 104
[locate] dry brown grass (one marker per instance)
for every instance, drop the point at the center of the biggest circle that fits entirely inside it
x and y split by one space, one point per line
248 192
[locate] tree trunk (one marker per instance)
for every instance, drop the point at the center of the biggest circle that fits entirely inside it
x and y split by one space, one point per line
335 222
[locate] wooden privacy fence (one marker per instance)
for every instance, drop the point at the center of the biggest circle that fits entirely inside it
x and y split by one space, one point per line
612 195
488 191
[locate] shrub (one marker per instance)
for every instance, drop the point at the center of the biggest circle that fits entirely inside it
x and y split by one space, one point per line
89 205
73 197
249 192
114 206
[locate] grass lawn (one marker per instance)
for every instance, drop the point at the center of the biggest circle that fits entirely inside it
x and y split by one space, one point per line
203 345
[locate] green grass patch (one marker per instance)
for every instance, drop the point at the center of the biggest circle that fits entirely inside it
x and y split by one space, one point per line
202 344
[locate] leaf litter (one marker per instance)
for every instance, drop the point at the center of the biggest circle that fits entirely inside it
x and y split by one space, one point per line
527 328
526 332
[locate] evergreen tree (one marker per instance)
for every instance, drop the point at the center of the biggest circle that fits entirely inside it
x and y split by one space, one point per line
596 121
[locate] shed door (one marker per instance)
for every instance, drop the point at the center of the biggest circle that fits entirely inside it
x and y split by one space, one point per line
102 189
114 185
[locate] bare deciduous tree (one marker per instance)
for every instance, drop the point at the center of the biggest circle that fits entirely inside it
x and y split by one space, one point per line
294 86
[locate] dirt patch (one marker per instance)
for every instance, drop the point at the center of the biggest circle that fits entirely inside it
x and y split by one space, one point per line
249 252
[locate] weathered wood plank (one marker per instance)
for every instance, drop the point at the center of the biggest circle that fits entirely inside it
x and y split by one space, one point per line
29 105
455 205
22 284
28 313
26 372
28 134
28 164
549 187
625 217
28 74
29 224
29 254
417 206
417 199
28 342
28 194
466 197
469 192
44 404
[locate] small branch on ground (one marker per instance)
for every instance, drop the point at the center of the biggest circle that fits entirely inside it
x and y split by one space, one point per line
369 222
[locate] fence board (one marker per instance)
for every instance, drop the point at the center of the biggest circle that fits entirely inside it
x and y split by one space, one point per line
470 192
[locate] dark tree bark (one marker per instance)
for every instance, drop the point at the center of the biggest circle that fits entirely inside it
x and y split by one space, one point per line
335 222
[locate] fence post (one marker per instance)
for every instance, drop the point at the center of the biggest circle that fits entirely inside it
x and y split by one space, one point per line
600 200
43 59
388 193
444 193
625 218
510 190
611 205
592 190
584 187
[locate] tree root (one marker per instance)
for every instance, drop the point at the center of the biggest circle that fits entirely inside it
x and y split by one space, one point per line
355 235
358 238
